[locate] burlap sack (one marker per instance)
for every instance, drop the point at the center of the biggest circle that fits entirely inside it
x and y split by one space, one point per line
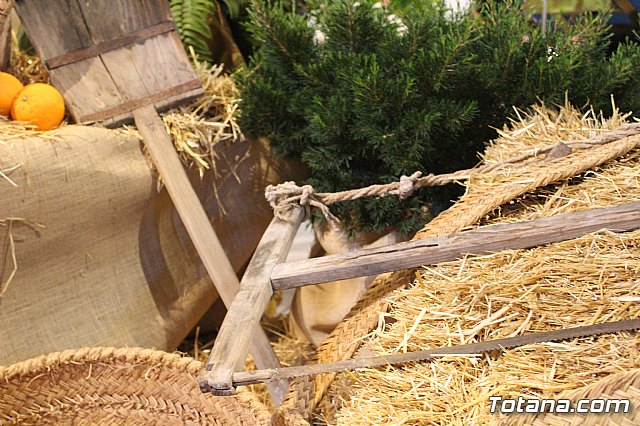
102 258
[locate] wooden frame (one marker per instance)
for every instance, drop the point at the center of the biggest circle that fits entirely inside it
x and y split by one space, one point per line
222 371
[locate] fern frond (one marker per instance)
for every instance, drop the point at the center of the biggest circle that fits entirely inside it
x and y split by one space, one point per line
192 20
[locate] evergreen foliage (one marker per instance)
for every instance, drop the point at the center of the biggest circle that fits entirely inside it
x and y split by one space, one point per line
192 21
364 98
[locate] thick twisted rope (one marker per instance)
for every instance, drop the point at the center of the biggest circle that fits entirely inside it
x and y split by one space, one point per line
285 196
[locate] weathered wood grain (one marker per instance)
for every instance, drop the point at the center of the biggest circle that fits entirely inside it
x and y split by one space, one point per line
55 27
138 62
201 232
5 33
143 69
489 239
109 45
232 343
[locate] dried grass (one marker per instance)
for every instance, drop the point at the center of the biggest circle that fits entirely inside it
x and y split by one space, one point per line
8 248
27 68
289 350
577 282
197 127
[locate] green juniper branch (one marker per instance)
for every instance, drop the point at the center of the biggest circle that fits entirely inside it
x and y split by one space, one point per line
372 98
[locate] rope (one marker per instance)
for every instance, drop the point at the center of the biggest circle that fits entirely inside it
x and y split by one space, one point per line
305 393
285 196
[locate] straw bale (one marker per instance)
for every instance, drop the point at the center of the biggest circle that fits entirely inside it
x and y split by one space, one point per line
578 282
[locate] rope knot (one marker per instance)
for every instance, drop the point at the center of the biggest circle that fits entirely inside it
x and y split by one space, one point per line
286 196
407 185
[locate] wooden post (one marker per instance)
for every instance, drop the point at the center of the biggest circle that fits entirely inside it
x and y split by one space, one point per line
232 344
488 239
5 33
201 232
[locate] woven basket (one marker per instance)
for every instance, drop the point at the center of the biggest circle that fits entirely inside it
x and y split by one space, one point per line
108 386
625 385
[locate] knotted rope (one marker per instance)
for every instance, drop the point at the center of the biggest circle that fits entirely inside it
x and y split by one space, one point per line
285 196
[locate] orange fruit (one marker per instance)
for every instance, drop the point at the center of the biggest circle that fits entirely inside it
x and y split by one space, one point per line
9 88
40 104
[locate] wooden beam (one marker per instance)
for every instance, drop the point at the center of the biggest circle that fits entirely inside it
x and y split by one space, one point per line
5 33
202 235
488 239
110 45
232 343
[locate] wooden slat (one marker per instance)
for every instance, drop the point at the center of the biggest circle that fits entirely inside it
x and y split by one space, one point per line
161 105
95 88
489 239
471 349
54 26
109 45
200 231
127 107
232 343
5 34
145 72
83 93
110 19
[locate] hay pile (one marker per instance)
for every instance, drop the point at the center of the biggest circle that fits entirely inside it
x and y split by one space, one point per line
195 128
578 282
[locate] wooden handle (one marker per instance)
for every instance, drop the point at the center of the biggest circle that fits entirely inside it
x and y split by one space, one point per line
232 344
199 228
488 239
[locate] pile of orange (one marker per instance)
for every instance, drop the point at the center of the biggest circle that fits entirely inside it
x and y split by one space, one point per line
40 104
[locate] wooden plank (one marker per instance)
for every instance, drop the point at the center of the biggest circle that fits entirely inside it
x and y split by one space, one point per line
86 86
143 71
109 45
470 349
170 64
111 19
5 34
232 344
129 106
54 26
161 105
489 239
199 228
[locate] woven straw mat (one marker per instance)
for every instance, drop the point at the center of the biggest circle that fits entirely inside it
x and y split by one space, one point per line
109 386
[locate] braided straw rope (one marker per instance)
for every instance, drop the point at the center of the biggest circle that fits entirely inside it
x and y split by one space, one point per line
625 385
306 392
109 386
